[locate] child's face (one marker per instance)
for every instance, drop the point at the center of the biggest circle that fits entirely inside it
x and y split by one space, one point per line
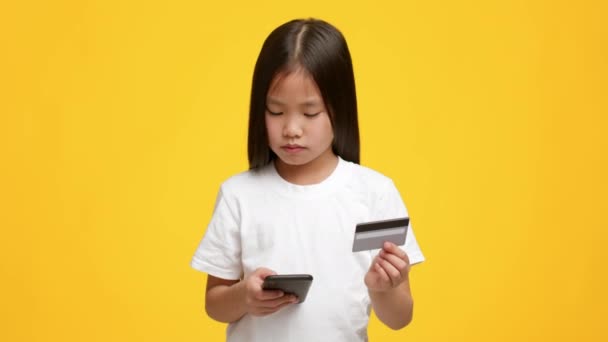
297 122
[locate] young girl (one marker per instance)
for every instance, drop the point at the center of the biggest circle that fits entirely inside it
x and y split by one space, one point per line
296 209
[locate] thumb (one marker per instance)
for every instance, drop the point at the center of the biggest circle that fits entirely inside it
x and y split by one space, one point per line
263 272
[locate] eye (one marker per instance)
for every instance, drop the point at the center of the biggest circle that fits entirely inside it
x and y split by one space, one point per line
273 113
311 115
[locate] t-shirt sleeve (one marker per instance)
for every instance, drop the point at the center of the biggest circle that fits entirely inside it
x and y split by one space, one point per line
219 252
389 206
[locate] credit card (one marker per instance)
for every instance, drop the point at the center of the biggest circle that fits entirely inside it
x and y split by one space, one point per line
371 235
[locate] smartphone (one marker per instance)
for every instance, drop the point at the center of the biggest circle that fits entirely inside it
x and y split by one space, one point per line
297 284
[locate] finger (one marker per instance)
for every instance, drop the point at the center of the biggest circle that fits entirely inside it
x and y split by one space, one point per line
396 261
401 265
375 260
256 292
273 303
265 311
383 275
258 276
282 306
394 249
391 271
269 294
263 272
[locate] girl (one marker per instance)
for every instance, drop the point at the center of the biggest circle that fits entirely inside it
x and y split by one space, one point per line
296 209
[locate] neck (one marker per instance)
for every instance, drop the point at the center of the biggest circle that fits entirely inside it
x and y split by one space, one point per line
313 172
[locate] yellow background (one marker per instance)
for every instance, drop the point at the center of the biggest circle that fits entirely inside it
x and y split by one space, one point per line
120 119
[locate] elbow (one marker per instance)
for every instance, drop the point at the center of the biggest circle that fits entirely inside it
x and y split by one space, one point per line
404 323
209 310
217 314
401 321
398 325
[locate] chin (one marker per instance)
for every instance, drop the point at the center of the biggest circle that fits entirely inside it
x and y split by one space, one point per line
289 160
294 160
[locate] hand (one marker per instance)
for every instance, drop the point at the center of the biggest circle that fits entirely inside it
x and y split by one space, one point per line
389 268
261 302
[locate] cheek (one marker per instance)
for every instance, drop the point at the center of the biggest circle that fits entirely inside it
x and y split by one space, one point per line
272 127
328 132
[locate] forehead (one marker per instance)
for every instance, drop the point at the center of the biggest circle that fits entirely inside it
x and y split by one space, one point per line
296 85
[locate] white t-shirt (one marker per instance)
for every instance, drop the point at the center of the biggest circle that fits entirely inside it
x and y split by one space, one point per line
261 220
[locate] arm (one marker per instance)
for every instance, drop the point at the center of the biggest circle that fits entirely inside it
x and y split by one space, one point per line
225 299
389 287
229 300
394 307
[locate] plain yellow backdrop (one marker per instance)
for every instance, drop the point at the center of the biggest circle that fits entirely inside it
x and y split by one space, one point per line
120 119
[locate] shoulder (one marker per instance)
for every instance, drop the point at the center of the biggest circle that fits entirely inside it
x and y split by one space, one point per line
369 177
365 182
380 191
246 181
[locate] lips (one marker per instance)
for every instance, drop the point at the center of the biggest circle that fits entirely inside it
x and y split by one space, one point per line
292 148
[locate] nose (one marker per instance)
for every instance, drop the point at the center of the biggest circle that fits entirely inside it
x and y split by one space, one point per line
292 127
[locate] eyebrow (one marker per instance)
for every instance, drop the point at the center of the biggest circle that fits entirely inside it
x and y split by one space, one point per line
307 103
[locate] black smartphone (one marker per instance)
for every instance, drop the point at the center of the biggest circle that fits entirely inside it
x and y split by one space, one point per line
297 284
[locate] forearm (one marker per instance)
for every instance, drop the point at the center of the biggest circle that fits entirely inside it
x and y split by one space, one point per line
226 303
394 307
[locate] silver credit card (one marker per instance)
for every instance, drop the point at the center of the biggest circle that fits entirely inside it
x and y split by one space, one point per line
372 235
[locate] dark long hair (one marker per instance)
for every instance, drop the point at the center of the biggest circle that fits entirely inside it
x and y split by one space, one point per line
321 50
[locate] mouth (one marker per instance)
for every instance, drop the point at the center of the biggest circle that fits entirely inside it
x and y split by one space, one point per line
292 148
